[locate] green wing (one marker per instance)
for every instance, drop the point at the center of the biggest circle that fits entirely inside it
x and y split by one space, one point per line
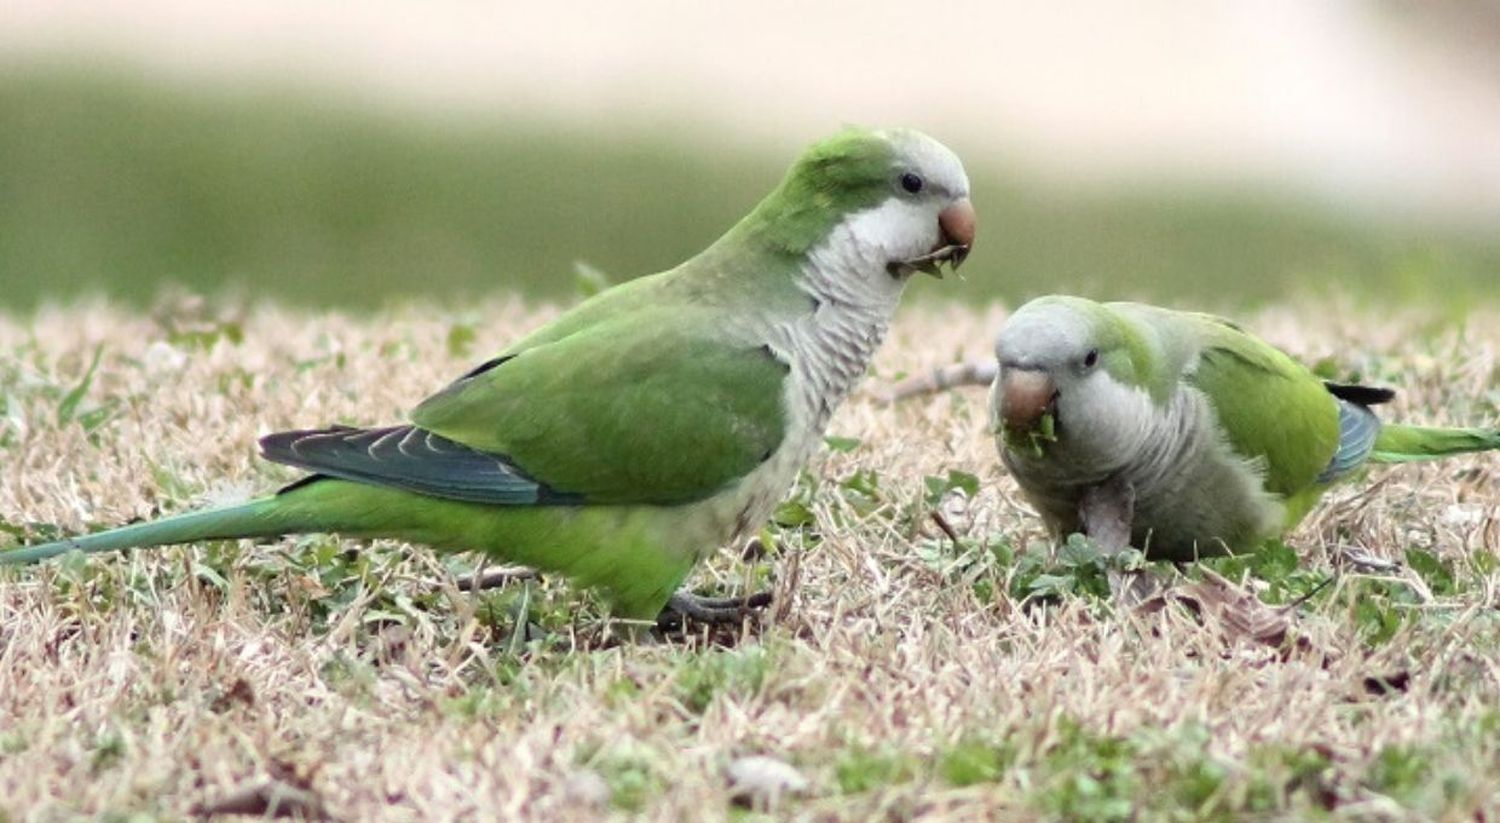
1269 405
656 406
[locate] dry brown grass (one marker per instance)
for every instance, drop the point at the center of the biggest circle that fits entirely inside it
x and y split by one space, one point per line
889 676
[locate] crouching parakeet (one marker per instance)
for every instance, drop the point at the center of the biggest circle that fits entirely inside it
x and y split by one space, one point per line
658 420
1224 440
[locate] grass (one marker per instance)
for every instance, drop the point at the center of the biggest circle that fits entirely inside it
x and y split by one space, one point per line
118 184
903 673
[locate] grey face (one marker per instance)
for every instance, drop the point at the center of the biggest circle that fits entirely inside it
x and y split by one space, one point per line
1047 354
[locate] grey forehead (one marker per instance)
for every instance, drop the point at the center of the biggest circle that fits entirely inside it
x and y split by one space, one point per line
1041 334
932 159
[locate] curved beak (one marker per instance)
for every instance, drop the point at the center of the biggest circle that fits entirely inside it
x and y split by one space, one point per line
1025 395
956 225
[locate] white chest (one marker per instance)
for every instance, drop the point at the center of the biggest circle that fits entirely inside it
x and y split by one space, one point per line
827 350
827 344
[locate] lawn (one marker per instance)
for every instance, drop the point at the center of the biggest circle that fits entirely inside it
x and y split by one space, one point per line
903 672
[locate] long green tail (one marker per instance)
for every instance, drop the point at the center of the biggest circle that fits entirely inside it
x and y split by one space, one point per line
258 518
1405 444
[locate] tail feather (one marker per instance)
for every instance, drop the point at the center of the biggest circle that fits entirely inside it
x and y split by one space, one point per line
1406 444
257 518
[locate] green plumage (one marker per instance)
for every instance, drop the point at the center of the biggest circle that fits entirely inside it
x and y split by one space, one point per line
1227 440
1272 408
616 426
623 441
1407 444
552 538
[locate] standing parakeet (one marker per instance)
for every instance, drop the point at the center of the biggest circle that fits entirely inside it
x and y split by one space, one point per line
1224 440
658 420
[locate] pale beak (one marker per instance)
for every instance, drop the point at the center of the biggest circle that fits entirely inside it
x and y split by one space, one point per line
1025 395
956 225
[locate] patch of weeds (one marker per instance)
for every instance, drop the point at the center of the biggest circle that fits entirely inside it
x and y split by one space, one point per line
515 674
842 445
795 513
972 761
1283 777
1380 608
70 408
936 488
1090 777
863 769
1189 778
109 749
737 673
349 675
321 577
631 775
1287 579
461 337
1034 575
169 484
1080 569
67 405
861 490
912 515
621 692
338 360
204 336
1399 772
479 702
993 558
1484 562
1434 571
83 582
498 611
235 381
13 742
1074 773
32 532
981 562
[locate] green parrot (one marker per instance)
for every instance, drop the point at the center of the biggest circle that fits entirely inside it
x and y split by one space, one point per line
1224 440
656 421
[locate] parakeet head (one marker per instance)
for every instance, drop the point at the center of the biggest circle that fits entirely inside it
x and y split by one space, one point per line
1069 379
873 204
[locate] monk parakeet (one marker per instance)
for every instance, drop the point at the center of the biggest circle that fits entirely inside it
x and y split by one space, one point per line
1224 440
660 419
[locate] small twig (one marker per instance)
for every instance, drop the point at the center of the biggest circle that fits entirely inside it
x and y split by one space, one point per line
272 798
791 579
495 578
522 620
1363 561
1296 604
941 378
942 523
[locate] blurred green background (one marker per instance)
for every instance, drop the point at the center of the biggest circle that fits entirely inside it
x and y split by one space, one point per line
117 185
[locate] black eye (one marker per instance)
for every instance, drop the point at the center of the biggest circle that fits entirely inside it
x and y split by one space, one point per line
1090 359
911 182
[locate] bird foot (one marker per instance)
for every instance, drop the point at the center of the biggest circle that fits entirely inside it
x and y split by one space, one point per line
1106 512
714 611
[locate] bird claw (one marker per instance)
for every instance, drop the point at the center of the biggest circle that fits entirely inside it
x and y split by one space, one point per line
714 611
